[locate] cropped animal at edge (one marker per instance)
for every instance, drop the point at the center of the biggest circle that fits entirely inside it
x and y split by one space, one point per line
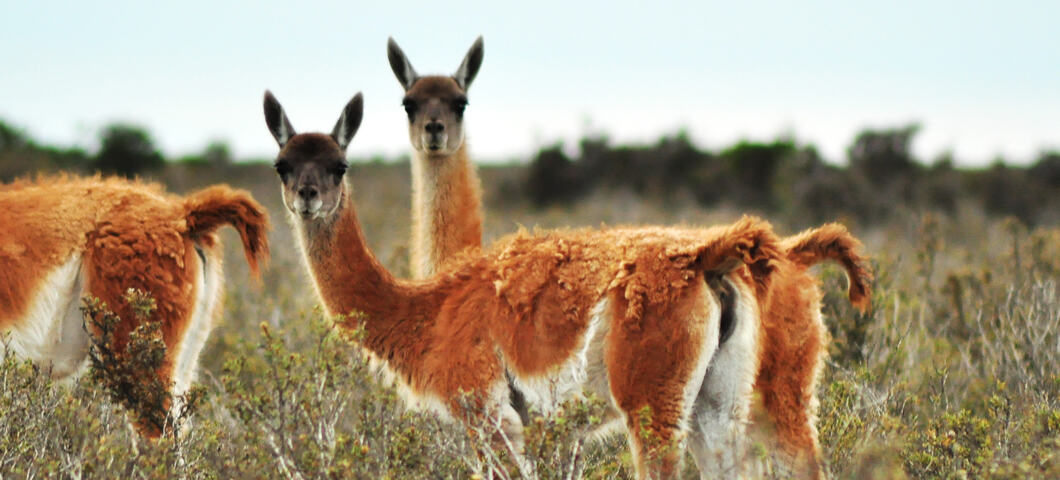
65 237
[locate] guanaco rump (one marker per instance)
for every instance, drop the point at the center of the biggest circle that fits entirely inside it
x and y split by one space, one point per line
64 237
447 218
633 315
446 191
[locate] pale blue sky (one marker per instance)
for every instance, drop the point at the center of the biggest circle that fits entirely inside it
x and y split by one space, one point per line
982 77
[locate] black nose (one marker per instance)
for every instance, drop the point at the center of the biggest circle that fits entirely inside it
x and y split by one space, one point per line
308 192
434 127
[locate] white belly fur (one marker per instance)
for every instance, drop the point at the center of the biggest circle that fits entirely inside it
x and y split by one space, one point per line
586 371
207 300
51 333
583 371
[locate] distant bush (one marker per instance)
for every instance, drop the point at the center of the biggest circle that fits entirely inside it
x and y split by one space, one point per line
19 155
552 178
10 138
127 150
885 157
216 154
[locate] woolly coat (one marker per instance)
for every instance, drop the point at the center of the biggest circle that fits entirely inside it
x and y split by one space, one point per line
120 235
524 305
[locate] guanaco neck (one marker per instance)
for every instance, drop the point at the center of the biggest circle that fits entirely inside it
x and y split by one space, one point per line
446 209
351 281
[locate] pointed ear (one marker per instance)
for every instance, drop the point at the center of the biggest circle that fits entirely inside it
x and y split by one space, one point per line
469 67
349 121
277 121
399 63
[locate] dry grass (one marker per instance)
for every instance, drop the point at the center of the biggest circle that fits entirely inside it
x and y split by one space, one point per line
954 374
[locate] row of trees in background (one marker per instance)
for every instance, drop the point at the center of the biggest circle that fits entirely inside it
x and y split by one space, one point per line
124 149
881 178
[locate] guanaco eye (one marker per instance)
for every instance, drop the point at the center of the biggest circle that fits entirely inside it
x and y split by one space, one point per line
410 107
459 105
283 168
338 170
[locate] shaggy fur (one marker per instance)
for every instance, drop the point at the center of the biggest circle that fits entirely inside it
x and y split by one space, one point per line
447 218
794 341
793 336
631 314
626 313
112 235
833 242
525 308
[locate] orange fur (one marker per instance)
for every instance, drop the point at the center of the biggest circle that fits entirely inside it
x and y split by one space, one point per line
447 218
794 340
793 336
832 241
524 309
524 305
129 235
219 205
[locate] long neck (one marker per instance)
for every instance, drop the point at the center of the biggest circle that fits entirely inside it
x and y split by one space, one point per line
351 281
446 209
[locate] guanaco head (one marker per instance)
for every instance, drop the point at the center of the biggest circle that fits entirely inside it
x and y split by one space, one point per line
311 165
435 103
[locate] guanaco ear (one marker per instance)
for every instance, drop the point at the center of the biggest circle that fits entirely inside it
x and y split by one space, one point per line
400 64
349 121
277 121
469 67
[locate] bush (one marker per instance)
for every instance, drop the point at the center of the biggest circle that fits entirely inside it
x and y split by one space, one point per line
127 150
129 374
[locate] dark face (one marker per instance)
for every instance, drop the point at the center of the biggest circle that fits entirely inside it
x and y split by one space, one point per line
435 106
435 103
311 167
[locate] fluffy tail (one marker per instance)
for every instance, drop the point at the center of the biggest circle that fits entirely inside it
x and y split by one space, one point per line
832 241
208 209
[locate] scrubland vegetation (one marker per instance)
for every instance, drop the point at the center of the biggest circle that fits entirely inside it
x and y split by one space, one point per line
954 373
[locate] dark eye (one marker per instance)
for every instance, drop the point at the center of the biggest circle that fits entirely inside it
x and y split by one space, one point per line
283 168
338 170
459 106
410 107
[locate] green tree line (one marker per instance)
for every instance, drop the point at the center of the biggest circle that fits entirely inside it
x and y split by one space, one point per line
124 149
880 179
